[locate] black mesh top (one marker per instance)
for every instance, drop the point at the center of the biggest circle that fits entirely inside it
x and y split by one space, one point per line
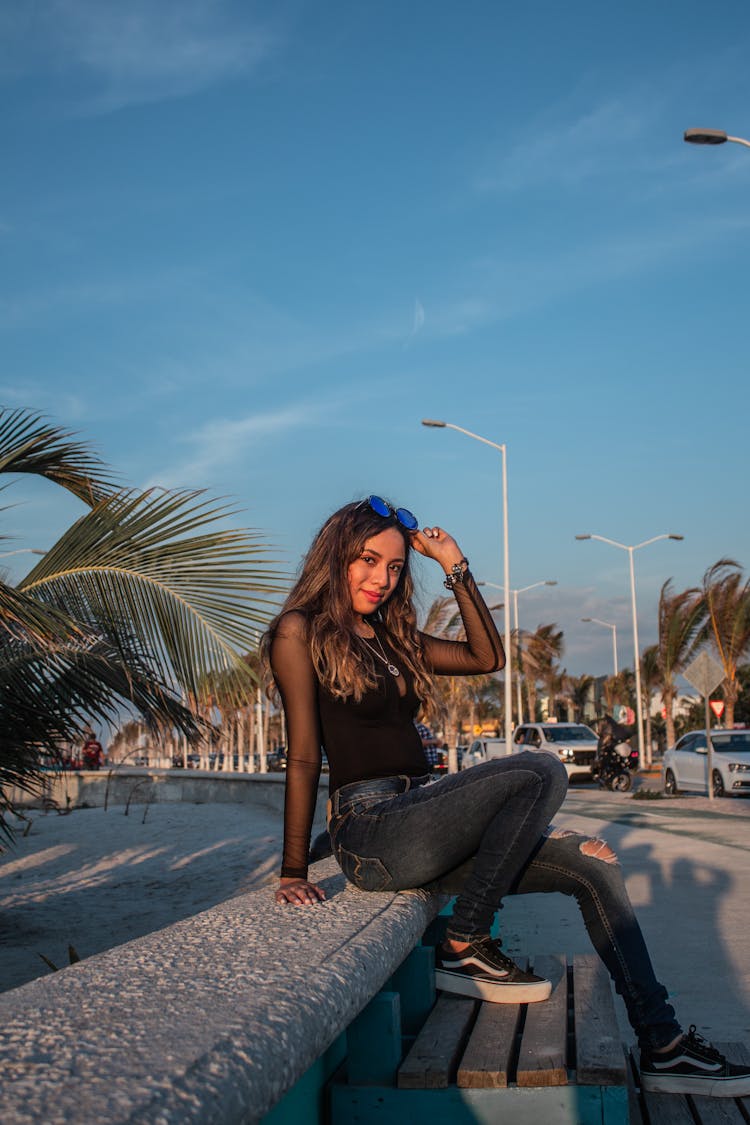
375 737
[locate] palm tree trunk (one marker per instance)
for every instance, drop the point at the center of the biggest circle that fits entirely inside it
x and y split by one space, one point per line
668 698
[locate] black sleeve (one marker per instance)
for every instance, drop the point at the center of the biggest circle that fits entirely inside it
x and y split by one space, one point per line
481 652
295 678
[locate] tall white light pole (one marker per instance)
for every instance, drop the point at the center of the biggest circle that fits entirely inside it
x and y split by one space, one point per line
21 551
607 625
506 567
636 650
515 593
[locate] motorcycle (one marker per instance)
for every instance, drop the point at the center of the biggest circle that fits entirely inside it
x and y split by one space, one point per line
614 757
612 774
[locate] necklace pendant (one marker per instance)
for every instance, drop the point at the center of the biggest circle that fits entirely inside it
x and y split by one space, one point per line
393 670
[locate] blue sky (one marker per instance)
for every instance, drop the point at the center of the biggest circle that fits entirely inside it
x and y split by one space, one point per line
248 246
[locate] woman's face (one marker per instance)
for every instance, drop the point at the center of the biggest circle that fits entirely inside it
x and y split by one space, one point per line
373 575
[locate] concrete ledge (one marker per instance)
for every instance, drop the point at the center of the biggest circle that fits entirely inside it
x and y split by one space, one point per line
141 785
210 1020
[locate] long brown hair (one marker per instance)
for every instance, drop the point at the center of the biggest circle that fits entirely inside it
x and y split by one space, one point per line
322 594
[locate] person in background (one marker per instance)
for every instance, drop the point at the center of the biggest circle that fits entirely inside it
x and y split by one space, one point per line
92 752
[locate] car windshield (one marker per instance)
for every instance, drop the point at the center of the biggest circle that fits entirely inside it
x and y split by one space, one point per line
734 741
569 734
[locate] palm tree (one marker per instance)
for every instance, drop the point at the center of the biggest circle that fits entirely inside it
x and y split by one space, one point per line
579 691
650 677
136 606
680 617
619 689
540 651
727 600
452 696
555 685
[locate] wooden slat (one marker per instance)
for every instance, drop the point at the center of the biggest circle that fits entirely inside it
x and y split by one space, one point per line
600 1060
542 1058
723 1111
431 1062
667 1109
677 1109
486 1060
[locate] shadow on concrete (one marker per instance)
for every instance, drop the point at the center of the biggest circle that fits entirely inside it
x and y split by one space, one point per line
693 904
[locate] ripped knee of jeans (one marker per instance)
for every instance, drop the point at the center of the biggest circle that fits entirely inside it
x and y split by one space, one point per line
589 846
598 849
553 833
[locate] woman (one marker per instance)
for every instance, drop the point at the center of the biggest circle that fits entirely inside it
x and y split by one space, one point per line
351 668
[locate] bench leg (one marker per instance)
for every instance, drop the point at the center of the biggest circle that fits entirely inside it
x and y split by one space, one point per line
374 1042
414 980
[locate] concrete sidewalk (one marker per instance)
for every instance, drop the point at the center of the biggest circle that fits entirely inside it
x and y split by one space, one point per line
687 867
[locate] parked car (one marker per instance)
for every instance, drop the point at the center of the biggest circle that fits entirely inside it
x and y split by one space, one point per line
573 743
276 759
481 750
685 765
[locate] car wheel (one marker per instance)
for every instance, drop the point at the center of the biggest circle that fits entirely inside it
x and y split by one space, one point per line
621 782
719 790
670 783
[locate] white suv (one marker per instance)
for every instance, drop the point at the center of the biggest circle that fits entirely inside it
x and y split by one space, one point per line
573 743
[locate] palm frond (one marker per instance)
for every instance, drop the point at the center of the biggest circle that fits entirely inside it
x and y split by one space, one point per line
151 569
728 604
29 444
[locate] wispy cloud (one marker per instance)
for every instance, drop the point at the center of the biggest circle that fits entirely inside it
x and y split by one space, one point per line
506 288
139 51
222 443
590 142
417 322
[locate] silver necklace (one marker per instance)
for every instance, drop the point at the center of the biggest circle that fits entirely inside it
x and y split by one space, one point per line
380 655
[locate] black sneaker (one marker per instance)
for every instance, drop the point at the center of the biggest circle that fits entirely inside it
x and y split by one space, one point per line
484 972
693 1067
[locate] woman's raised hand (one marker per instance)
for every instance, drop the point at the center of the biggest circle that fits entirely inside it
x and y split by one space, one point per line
299 892
435 543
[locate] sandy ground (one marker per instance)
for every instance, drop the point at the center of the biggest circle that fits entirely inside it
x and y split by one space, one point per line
94 880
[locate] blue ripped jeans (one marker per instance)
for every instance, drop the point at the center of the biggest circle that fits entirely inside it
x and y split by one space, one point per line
483 834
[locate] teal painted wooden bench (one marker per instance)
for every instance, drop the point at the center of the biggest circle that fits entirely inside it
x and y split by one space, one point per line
455 1061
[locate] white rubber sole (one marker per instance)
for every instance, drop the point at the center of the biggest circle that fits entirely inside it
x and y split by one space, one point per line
709 1087
498 993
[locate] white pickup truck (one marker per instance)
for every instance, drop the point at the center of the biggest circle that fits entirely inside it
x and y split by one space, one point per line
481 750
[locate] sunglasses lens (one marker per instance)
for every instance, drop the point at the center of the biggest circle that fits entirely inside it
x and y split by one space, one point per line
407 519
378 504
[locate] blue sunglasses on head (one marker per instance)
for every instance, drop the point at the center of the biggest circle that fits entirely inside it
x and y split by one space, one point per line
406 518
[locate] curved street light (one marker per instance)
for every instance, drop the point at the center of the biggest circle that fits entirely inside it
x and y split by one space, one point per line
515 593
506 564
631 550
711 137
608 625
21 551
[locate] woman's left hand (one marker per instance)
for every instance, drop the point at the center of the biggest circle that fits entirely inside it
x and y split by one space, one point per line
435 543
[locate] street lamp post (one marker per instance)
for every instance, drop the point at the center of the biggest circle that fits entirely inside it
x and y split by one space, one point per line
712 137
506 565
22 551
636 651
608 625
515 593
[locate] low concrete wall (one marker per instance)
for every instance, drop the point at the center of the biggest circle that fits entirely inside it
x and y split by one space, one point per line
210 1020
141 785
